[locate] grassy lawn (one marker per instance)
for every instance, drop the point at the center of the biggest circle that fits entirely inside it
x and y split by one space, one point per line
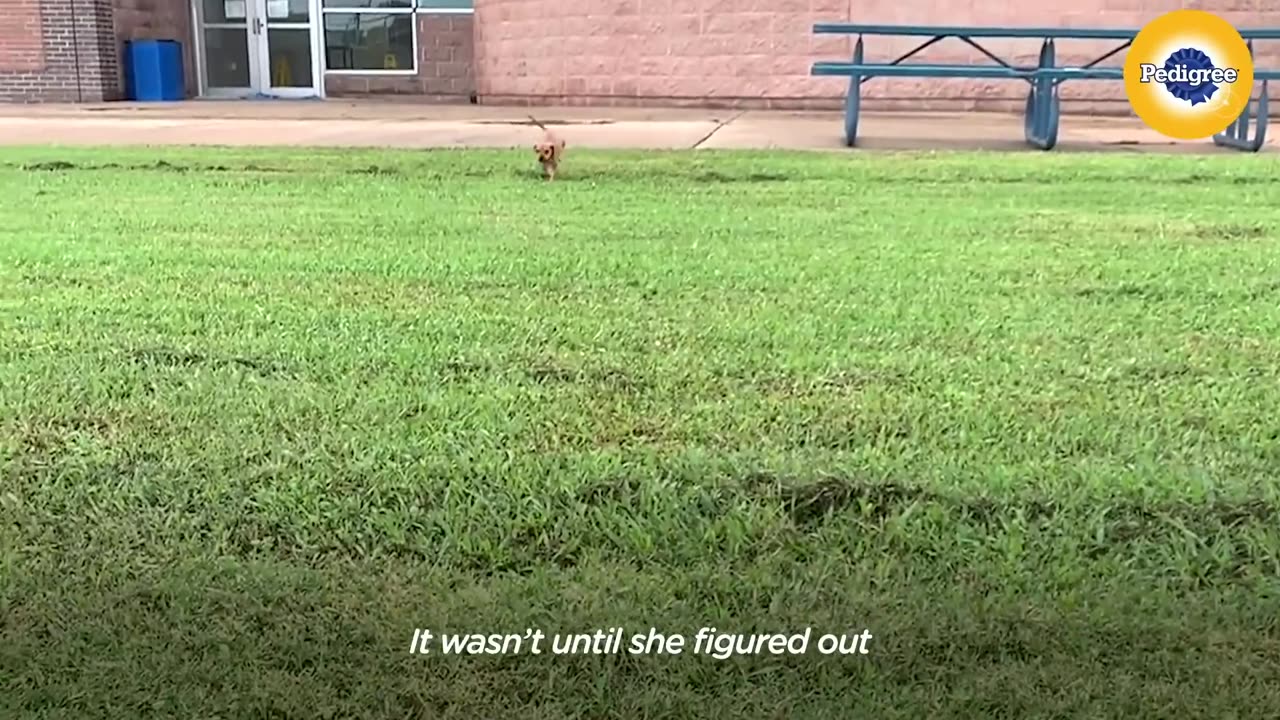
264 414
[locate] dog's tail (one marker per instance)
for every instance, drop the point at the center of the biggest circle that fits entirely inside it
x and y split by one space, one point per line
539 124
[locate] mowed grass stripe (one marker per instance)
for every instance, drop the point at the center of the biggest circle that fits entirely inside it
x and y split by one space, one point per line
262 413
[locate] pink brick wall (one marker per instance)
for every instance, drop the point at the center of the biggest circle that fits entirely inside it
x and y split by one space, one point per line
21 47
758 52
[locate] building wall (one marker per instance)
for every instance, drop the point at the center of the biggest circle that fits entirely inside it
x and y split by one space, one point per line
752 53
71 50
731 53
57 50
445 65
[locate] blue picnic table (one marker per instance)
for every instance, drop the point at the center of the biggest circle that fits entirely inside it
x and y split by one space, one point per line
1043 106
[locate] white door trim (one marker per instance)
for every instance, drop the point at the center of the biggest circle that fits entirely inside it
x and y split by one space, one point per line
260 71
266 72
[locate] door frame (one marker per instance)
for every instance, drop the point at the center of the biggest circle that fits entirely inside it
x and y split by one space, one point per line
260 54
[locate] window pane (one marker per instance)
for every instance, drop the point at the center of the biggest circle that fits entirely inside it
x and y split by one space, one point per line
290 50
288 11
446 4
365 4
226 52
223 11
367 41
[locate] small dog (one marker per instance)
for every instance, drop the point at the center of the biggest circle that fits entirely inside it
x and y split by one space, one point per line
549 151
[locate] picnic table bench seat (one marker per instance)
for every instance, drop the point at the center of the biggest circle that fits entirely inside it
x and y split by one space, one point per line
1043 106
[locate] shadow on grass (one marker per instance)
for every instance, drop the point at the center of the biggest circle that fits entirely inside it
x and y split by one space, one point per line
164 357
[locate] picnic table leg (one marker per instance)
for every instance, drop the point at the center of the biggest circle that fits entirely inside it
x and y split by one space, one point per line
1263 116
1043 108
853 101
1237 135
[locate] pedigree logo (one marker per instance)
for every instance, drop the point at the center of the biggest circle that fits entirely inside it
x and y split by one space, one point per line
1188 74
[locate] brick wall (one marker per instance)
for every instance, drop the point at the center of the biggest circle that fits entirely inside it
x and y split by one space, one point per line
57 50
21 44
752 53
445 63
736 53
157 20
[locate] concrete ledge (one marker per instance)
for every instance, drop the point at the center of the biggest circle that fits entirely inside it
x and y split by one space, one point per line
408 125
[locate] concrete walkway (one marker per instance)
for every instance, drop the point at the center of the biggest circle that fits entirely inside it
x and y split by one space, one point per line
397 124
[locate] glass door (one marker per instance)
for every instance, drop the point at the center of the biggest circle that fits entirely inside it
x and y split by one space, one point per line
228 55
258 47
287 48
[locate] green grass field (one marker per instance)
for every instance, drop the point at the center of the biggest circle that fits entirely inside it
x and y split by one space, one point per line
263 414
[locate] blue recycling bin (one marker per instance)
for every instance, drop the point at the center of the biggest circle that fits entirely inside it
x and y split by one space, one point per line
153 71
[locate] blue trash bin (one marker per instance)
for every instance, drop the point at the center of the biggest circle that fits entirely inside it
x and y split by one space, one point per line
153 71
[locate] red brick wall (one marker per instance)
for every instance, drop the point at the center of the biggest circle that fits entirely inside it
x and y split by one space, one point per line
758 52
157 20
445 63
57 50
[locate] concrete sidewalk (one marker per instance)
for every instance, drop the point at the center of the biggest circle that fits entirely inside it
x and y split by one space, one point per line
337 123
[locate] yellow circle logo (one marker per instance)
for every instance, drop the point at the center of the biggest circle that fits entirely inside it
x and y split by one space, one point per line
1188 74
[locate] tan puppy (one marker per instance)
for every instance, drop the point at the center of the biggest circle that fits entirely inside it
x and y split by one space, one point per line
549 151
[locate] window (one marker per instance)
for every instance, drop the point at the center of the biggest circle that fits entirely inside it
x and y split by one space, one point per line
446 6
370 36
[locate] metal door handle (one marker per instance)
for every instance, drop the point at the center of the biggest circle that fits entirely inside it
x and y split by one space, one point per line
257 26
